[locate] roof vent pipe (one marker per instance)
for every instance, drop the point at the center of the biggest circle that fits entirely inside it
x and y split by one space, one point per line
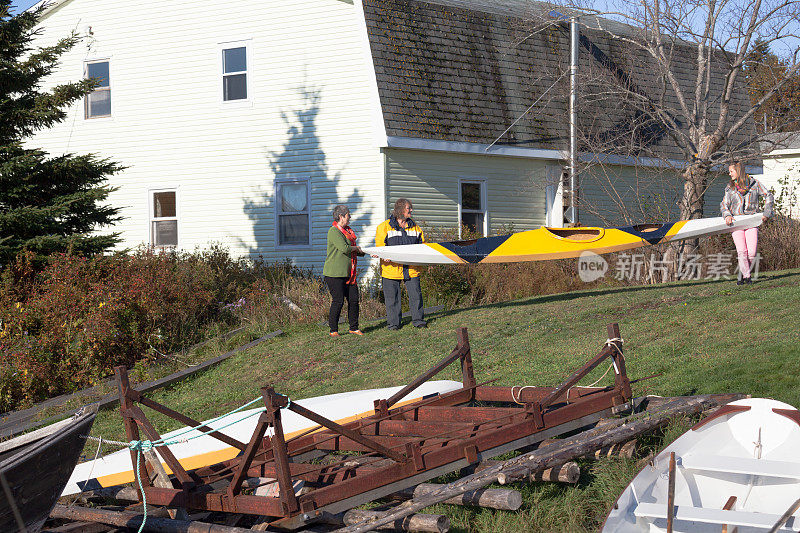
572 214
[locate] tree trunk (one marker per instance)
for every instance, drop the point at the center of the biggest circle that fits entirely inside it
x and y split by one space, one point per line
695 182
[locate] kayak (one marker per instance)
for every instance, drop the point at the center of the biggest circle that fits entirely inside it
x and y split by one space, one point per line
557 243
738 468
115 468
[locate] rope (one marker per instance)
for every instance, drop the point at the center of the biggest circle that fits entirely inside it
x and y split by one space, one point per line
96 455
521 388
139 480
615 343
146 445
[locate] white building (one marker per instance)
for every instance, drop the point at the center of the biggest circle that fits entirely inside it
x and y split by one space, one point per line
782 172
245 122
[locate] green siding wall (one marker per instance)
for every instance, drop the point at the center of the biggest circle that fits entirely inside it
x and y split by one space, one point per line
515 187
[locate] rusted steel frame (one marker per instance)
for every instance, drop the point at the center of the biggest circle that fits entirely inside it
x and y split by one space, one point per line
131 428
410 428
286 493
525 394
215 501
138 415
459 352
572 380
621 380
282 401
318 498
243 462
462 414
306 444
455 451
155 406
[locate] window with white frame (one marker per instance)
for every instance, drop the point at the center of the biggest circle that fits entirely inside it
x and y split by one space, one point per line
472 206
294 213
234 73
164 218
98 102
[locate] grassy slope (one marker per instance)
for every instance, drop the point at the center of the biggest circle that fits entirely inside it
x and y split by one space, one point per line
707 336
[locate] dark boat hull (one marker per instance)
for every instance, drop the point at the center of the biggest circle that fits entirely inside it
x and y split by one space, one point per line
36 473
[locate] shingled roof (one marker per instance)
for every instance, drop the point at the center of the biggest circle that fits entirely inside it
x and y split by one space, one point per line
472 71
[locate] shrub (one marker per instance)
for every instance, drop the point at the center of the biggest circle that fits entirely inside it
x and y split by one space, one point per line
68 325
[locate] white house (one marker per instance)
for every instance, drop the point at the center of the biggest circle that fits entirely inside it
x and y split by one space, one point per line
245 122
781 172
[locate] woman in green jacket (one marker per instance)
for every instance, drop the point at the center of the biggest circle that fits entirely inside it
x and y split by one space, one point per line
340 270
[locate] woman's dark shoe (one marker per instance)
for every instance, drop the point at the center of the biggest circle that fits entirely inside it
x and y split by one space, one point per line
740 282
748 281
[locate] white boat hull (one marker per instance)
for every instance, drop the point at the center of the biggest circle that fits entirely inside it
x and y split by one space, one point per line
115 468
749 460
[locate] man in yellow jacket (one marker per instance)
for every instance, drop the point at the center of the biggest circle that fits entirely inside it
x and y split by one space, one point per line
400 229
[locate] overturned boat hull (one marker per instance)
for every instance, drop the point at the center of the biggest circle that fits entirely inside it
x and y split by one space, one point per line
115 468
34 468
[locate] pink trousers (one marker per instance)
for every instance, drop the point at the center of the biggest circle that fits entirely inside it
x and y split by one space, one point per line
746 241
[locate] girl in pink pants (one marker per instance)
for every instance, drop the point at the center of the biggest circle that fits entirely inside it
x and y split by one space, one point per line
746 241
741 198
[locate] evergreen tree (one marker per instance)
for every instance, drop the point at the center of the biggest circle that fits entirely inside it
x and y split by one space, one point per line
47 204
763 69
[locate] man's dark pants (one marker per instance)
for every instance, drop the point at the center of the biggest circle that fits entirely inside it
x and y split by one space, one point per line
391 294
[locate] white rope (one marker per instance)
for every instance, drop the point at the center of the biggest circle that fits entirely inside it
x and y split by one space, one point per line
521 388
91 469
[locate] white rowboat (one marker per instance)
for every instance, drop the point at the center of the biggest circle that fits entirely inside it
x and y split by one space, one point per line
738 468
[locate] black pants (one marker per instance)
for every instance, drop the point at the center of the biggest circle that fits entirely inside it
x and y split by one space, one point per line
339 291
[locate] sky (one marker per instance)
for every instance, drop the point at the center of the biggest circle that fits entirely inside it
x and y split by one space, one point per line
21 5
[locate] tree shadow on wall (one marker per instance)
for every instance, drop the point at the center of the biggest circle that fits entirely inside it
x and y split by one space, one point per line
300 183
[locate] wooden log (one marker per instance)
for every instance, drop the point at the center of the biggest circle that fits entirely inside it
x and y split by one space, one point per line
421 523
132 520
501 499
162 480
78 527
623 430
567 473
626 450
121 493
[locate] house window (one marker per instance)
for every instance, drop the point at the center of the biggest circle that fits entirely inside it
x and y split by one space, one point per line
98 102
294 213
472 207
234 73
164 219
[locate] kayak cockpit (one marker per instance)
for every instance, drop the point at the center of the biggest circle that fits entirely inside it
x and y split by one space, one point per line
577 234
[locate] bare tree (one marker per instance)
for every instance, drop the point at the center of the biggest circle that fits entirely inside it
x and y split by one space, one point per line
698 50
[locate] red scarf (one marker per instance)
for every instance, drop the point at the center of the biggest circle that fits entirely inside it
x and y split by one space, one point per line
350 235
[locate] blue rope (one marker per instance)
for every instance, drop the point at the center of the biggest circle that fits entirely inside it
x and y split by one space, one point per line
146 445
138 445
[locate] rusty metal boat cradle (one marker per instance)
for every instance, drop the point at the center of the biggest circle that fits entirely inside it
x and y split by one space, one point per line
400 447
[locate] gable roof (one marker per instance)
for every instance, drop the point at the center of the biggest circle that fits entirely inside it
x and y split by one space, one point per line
472 71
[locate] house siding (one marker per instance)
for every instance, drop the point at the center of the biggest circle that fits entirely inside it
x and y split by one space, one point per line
514 195
614 195
783 165
310 115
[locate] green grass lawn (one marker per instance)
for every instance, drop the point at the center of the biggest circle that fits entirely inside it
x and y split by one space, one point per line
703 336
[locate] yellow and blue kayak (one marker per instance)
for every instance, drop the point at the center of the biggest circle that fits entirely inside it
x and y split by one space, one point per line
557 243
